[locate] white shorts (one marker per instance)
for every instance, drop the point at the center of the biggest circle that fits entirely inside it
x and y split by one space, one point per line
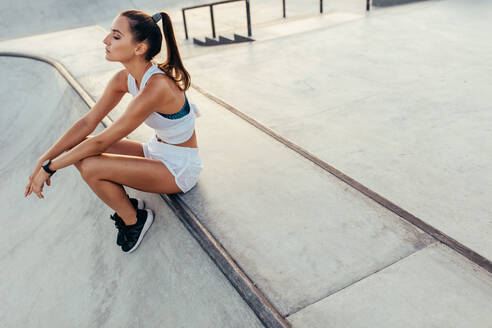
183 162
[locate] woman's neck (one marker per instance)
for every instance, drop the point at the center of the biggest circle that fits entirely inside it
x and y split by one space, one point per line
137 70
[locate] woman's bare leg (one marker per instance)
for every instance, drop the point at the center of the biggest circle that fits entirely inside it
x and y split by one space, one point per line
107 173
113 193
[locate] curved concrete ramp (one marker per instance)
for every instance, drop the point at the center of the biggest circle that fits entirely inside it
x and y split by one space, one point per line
60 264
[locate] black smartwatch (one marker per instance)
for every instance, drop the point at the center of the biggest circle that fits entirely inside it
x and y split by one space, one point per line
47 163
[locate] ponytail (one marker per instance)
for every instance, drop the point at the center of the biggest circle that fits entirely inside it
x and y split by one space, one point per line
144 28
173 66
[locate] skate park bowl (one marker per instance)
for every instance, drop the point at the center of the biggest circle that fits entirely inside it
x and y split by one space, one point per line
44 239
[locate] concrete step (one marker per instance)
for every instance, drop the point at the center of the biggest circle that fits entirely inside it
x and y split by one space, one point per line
220 40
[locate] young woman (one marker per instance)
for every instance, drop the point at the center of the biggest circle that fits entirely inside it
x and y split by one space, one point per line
168 163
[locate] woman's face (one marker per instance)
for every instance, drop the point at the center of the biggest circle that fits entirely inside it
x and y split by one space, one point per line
119 42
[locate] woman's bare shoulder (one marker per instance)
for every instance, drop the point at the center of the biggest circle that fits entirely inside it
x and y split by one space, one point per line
119 81
163 85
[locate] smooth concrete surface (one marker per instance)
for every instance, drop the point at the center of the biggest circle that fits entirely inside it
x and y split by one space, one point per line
81 47
434 287
400 102
31 17
299 233
39 18
60 263
302 25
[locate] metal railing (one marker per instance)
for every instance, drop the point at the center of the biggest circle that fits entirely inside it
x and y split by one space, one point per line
320 7
211 5
368 6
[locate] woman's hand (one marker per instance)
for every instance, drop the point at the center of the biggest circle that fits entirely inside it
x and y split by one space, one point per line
36 181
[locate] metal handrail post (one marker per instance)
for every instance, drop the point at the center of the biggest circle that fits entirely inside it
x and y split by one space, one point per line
283 7
212 18
320 6
184 21
248 17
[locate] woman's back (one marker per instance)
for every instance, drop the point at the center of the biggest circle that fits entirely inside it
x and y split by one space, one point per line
177 125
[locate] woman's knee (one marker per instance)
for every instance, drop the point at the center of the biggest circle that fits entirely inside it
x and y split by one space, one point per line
78 164
86 167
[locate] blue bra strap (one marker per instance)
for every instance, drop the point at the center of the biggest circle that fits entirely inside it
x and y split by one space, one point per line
182 112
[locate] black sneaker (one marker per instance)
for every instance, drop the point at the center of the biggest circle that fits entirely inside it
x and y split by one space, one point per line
118 221
137 203
133 234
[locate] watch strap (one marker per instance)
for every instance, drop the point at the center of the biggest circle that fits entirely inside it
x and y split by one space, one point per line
47 169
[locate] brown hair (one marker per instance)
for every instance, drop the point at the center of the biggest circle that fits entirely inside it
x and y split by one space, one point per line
143 28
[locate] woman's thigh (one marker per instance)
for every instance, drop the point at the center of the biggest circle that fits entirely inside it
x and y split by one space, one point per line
143 174
125 146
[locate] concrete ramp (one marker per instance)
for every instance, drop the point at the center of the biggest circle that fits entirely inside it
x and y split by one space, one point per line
60 263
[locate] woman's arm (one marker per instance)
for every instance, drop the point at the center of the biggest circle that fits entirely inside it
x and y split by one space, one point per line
112 95
77 132
136 113
71 138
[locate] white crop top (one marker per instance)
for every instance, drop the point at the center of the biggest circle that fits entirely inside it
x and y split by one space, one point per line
173 131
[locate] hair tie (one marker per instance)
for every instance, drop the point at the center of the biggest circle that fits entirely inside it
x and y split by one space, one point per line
156 17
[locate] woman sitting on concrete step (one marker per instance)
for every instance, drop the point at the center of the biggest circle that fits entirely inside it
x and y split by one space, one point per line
168 163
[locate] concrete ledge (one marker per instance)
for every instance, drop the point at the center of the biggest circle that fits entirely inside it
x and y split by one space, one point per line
262 307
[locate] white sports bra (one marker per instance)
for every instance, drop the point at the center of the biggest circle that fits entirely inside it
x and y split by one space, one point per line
173 131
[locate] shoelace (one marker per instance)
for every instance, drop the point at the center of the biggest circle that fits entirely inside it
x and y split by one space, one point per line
118 222
130 233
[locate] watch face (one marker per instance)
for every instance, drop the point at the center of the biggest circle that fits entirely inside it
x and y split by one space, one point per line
46 162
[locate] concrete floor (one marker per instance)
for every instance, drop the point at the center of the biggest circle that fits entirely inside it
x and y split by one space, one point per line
321 252
399 102
402 296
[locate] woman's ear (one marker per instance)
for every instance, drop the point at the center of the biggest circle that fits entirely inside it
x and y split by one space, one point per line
141 48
